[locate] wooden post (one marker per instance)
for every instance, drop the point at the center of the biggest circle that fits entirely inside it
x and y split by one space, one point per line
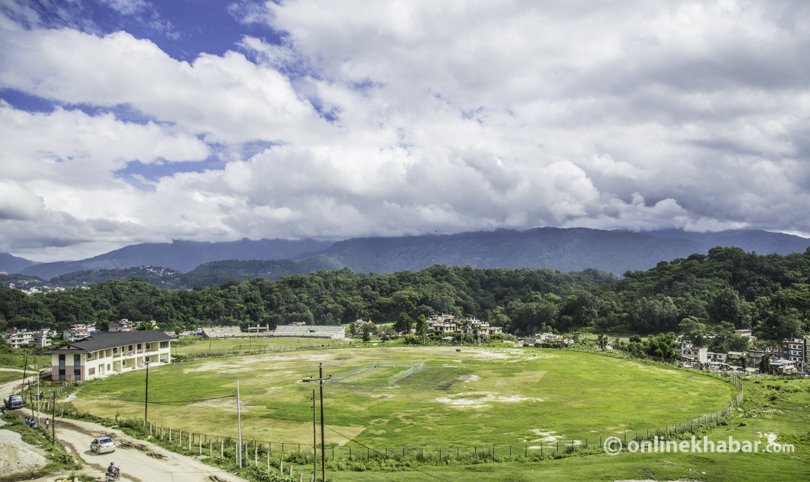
222 448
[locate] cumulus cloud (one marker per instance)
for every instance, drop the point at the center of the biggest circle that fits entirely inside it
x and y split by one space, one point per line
389 118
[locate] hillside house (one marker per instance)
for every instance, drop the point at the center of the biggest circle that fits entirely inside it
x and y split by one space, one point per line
77 331
793 349
121 325
105 354
448 325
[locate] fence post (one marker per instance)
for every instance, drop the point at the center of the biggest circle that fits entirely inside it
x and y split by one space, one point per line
222 448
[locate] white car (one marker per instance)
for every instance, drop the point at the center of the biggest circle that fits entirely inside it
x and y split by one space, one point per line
102 445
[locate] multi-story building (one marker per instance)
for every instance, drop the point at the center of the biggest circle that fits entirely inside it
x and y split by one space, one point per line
448 324
17 338
77 331
104 354
121 325
793 349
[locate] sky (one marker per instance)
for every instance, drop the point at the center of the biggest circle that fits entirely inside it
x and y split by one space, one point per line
130 121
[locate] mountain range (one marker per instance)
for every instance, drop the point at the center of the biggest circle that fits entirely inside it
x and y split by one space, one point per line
194 263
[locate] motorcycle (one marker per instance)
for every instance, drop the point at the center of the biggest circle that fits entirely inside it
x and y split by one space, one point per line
113 474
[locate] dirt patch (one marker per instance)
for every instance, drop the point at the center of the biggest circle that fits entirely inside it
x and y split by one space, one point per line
16 455
468 378
482 399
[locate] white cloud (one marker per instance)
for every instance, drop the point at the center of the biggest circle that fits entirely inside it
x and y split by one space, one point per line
80 150
17 202
225 98
445 116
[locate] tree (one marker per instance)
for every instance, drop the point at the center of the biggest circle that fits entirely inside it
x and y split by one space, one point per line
765 364
662 346
601 341
404 323
421 327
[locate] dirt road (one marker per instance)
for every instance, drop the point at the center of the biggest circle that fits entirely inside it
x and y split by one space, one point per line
139 461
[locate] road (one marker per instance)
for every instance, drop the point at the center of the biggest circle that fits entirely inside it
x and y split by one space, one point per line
139 461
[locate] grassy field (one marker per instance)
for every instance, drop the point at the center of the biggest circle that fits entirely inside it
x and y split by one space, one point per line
415 397
774 407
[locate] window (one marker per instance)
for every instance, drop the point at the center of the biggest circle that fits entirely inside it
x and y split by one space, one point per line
130 347
61 367
77 367
164 344
139 346
91 371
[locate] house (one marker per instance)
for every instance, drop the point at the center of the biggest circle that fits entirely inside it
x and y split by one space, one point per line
17 338
121 325
77 331
448 324
104 354
783 367
334 332
746 334
793 349
692 355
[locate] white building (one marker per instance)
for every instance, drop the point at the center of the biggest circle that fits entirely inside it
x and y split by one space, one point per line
105 354
334 332
19 338
77 331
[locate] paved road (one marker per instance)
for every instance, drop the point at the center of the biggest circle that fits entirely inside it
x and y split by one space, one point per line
139 461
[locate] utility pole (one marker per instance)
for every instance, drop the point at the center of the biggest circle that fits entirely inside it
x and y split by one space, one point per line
38 377
25 367
320 381
238 427
146 395
53 417
314 441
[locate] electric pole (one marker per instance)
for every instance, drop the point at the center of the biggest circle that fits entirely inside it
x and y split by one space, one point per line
314 441
320 381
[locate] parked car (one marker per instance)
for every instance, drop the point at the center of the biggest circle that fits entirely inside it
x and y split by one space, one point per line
102 445
13 402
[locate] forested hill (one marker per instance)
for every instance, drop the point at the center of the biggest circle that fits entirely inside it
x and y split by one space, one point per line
567 250
714 293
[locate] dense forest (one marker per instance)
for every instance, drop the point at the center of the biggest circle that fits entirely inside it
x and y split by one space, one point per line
714 293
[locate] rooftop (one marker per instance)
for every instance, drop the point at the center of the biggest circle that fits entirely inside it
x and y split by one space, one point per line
104 340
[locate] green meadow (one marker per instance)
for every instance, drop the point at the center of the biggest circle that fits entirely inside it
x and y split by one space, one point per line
415 397
773 408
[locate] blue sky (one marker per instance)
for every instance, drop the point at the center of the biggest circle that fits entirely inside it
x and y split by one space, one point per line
127 121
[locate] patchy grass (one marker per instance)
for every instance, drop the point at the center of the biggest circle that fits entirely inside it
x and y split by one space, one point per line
462 396
772 406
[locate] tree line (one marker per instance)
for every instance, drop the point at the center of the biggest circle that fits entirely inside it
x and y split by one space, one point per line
723 290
